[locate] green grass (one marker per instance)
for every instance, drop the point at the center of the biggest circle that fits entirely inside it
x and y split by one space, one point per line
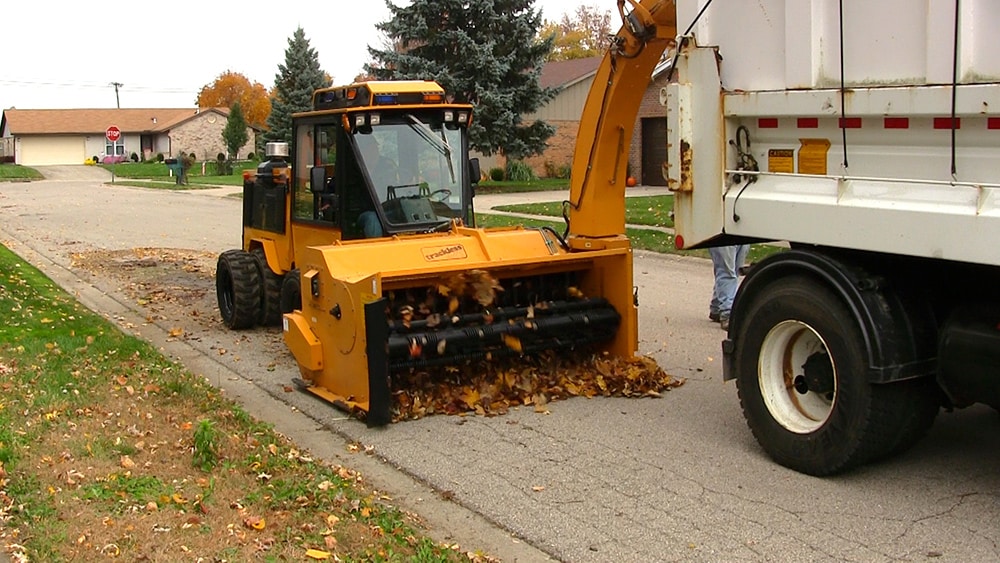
645 210
80 396
17 172
152 169
641 239
538 185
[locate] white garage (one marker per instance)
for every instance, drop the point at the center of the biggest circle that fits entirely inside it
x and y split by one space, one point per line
51 149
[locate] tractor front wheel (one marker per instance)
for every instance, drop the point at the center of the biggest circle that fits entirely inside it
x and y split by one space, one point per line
291 292
238 289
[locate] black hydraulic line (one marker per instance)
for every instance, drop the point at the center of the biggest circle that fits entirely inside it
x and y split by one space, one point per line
683 40
954 92
843 89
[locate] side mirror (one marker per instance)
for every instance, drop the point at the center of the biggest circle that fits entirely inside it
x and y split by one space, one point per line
475 173
317 179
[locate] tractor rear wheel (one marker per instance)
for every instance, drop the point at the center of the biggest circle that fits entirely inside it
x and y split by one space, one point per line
270 295
238 288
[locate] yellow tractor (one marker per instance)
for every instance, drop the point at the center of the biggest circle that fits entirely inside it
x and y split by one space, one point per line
361 242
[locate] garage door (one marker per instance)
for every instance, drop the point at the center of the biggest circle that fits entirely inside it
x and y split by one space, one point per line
39 151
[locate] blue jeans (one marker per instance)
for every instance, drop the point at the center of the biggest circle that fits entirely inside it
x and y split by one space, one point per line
726 261
370 225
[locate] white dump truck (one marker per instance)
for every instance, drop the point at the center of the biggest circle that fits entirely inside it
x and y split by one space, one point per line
866 134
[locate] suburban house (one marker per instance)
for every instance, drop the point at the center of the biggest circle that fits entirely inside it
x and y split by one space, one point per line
572 80
36 137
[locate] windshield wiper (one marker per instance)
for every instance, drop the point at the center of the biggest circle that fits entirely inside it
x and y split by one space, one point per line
442 145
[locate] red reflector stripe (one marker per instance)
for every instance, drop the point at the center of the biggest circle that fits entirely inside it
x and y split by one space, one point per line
897 123
945 123
767 123
808 122
850 123
993 123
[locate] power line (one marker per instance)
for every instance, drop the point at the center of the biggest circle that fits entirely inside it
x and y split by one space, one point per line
148 89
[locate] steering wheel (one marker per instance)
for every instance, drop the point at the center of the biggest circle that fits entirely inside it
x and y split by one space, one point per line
445 194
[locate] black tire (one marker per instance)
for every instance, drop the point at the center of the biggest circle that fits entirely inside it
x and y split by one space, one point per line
237 287
826 427
270 294
291 292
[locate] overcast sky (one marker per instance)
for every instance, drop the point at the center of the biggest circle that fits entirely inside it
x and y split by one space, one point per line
67 55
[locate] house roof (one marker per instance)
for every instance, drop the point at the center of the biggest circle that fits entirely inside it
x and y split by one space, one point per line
563 74
96 121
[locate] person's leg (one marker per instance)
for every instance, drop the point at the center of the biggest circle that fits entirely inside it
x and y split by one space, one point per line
719 269
726 279
741 256
369 223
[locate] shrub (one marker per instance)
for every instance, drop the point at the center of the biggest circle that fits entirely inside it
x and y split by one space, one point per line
159 157
560 172
519 171
250 156
496 174
94 158
220 157
134 157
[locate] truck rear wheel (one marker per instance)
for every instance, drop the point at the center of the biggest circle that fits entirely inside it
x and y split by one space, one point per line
270 294
238 287
802 380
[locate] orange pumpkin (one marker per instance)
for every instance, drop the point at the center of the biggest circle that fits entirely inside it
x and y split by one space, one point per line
630 181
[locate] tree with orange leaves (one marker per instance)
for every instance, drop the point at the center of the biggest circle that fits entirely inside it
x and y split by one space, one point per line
231 87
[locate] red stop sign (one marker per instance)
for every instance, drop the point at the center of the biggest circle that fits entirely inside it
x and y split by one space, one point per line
113 133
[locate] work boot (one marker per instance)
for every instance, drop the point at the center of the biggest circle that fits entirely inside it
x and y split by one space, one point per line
724 322
714 316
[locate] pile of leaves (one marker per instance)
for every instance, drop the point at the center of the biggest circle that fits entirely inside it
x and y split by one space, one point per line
492 388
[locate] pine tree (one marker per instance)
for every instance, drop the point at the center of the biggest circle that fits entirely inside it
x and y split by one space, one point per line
293 86
482 52
235 132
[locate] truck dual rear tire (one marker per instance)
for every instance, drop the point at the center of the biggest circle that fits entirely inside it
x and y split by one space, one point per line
238 289
801 373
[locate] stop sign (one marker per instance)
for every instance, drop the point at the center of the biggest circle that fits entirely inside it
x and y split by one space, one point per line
113 133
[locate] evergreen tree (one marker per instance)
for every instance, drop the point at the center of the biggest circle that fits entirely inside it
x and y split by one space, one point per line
482 52
293 86
235 132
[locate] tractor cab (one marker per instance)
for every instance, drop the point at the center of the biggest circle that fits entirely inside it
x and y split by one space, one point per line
379 163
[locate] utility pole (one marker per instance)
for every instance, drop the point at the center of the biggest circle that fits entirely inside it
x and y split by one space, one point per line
117 85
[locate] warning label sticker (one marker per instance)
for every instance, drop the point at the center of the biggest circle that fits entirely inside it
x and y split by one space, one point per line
812 156
781 160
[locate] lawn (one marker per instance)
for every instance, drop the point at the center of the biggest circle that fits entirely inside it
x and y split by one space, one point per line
537 185
642 239
644 210
10 172
108 450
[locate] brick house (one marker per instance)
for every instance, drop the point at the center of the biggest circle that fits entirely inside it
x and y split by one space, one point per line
36 137
573 79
